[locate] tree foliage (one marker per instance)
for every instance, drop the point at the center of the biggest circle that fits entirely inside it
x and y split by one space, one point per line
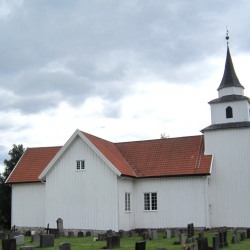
5 190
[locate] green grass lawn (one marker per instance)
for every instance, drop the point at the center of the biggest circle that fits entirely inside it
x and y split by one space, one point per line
87 243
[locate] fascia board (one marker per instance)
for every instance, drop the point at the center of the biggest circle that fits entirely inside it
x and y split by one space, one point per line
16 166
98 152
57 156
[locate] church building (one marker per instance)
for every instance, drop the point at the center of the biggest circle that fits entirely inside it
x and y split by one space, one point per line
95 184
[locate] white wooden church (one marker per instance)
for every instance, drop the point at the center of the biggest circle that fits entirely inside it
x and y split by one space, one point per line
95 184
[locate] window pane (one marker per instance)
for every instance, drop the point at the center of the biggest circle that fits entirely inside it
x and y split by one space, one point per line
146 201
77 164
154 201
82 165
127 201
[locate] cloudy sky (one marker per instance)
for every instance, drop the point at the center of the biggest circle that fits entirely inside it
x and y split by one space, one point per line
119 69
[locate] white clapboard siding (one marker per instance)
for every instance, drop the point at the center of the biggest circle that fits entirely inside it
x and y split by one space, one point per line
28 205
180 201
126 218
229 188
85 199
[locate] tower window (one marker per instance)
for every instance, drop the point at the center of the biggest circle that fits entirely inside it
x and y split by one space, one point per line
229 112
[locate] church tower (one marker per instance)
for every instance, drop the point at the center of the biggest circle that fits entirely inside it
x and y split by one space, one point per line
227 139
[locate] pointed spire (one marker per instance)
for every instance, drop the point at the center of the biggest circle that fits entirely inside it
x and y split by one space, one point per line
230 78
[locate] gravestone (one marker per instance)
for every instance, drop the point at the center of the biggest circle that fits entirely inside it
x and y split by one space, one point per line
54 231
161 248
2 236
88 233
145 235
177 232
19 240
35 238
140 245
101 237
234 239
168 233
9 244
223 237
47 240
242 236
190 230
122 233
153 235
80 234
248 233
132 233
202 243
71 234
59 223
65 246
216 242
182 238
113 241
190 240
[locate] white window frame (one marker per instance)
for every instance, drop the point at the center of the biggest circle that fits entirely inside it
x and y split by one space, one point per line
127 202
150 201
80 165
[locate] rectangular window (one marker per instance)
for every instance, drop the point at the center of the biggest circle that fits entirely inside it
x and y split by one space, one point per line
150 201
127 202
80 165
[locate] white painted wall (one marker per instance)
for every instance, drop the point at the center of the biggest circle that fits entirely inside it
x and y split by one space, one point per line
240 112
28 205
85 199
229 188
126 219
181 200
231 91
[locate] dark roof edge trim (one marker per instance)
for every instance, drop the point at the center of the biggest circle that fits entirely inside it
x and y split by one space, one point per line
169 176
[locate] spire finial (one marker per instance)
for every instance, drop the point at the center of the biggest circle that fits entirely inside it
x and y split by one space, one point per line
227 36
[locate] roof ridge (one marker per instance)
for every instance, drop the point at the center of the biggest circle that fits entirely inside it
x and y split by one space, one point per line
159 139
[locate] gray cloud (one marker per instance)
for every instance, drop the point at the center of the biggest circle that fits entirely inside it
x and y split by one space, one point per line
72 50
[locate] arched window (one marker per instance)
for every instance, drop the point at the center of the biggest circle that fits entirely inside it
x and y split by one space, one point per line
229 112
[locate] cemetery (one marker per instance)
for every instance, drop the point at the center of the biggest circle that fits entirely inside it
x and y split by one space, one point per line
189 238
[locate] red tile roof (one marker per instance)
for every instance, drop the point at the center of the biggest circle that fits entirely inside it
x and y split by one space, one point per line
152 158
32 163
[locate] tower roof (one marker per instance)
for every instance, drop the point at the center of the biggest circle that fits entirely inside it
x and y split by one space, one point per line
230 78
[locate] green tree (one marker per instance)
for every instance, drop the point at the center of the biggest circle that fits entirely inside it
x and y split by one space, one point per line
5 190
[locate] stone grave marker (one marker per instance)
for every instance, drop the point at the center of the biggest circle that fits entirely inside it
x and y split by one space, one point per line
101 237
47 240
71 234
9 244
65 246
153 235
168 233
161 248
223 237
2 236
243 236
35 238
140 245
80 234
132 233
182 238
216 242
248 233
145 235
59 223
113 241
235 239
88 233
202 243
19 240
